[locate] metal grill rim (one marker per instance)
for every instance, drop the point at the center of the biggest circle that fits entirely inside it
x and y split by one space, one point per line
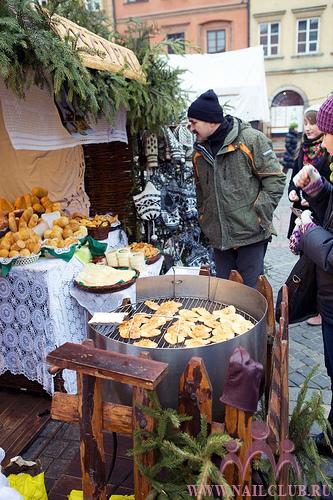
112 332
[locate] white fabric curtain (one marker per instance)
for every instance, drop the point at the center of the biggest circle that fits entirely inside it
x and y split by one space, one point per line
61 172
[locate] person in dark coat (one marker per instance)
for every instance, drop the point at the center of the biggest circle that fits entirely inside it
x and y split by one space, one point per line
316 241
239 183
290 146
311 152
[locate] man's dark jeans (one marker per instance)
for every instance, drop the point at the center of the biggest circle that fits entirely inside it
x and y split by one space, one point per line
247 260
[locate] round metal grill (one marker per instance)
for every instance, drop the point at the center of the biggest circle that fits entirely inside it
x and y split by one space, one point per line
112 332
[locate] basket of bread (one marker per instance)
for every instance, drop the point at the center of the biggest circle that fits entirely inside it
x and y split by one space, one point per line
35 223
99 226
38 200
20 242
62 236
151 253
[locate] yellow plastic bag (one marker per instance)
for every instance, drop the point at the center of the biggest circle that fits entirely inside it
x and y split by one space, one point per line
78 495
31 488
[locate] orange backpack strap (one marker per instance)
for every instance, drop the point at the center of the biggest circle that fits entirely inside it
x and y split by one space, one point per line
194 160
246 150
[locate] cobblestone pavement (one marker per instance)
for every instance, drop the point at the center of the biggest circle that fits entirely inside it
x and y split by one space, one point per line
305 342
306 350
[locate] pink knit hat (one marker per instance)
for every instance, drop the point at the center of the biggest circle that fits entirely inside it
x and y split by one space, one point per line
325 116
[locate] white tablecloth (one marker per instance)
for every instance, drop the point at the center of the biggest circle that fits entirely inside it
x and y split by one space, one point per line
38 314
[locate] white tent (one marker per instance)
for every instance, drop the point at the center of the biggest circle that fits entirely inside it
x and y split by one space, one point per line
237 77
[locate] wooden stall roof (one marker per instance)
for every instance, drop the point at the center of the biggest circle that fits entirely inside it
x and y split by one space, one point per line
106 56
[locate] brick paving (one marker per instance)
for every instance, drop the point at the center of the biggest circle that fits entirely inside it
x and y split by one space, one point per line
58 443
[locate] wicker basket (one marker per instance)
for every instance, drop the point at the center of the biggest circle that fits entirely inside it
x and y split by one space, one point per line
50 252
24 261
117 287
152 260
20 261
108 180
99 233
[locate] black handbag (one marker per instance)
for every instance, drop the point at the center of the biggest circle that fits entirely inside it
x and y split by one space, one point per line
302 292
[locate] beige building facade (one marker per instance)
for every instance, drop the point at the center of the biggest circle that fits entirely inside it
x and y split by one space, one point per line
211 26
297 36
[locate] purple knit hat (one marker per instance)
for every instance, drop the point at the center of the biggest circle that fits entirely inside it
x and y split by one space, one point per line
325 116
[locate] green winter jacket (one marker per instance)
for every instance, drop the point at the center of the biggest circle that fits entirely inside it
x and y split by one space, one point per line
239 189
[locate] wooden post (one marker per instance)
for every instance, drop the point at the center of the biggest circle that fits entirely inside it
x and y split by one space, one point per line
142 422
235 276
283 333
264 287
93 365
195 395
91 435
238 424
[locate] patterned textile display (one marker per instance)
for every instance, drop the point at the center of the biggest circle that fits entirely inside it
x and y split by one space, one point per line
151 149
176 227
38 314
148 202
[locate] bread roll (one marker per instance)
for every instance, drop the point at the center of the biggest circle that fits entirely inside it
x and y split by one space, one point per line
39 192
4 244
27 199
14 253
38 207
45 201
6 206
62 221
20 202
33 221
25 252
12 223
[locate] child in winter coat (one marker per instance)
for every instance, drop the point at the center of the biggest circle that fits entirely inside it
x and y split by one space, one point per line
316 241
311 152
290 145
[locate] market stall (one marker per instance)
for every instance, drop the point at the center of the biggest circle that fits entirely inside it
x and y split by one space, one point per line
37 303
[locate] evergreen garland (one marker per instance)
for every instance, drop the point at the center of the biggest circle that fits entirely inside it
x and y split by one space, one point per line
161 101
181 459
305 414
32 53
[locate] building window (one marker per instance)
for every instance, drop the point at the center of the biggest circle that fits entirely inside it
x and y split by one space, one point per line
176 37
93 5
215 41
269 38
307 35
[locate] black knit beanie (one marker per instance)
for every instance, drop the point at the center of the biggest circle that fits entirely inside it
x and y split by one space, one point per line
206 108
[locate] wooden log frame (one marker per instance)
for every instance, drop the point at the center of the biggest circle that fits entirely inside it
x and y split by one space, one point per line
144 375
278 413
264 287
91 366
195 395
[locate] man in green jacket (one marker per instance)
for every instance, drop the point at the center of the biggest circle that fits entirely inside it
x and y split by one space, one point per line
239 183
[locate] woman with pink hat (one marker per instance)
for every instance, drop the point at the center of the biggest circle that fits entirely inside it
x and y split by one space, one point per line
316 241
